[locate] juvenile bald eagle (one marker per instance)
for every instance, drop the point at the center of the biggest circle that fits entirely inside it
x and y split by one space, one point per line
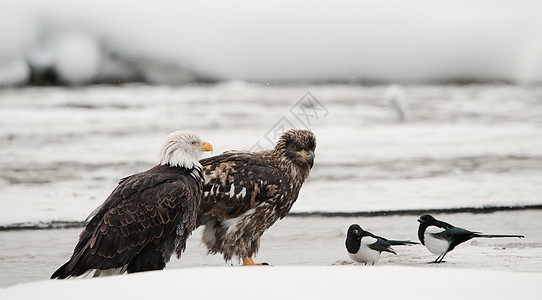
147 217
247 192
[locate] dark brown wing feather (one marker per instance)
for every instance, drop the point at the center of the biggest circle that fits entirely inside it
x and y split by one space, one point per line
144 207
237 182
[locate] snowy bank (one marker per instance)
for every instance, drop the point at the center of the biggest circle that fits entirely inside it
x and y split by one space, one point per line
340 282
62 150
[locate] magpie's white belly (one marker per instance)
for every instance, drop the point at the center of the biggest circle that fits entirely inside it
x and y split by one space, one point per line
434 245
365 255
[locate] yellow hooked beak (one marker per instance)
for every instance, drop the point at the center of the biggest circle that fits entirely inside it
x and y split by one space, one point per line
308 155
205 147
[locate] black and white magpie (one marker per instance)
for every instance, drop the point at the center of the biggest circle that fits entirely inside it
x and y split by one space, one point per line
440 237
365 247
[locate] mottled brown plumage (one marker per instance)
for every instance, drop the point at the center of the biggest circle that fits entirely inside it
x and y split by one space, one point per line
147 217
247 192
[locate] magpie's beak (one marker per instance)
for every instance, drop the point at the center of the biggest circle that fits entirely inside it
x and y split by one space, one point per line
204 147
421 221
308 155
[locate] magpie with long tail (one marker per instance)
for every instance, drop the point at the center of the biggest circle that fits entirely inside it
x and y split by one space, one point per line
365 247
440 237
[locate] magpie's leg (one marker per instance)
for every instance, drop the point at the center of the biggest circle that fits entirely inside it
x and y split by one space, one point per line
439 258
442 257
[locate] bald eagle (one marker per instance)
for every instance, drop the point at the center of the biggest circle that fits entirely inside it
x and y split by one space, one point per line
147 217
247 192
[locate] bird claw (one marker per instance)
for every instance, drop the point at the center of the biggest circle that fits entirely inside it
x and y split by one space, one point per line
436 262
247 261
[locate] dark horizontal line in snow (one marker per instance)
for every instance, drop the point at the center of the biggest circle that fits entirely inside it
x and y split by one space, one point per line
42 225
414 212
379 213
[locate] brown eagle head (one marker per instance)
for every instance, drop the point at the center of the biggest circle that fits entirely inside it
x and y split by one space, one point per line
297 146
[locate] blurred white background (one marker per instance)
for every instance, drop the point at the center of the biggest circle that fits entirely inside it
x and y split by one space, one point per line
75 42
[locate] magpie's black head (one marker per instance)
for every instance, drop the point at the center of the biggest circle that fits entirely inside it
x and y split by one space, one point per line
354 231
426 219
353 238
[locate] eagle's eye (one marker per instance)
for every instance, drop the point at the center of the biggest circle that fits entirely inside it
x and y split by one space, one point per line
193 143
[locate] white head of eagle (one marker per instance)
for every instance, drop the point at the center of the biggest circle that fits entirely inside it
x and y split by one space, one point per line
146 218
183 148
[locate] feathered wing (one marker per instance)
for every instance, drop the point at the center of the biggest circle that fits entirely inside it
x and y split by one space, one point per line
238 182
244 194
436 223
381 244
458 235
144 210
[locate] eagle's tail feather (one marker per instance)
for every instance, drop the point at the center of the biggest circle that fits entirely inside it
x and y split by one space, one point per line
62 272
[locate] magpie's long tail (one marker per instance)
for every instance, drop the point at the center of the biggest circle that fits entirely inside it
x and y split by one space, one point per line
498 235
402 243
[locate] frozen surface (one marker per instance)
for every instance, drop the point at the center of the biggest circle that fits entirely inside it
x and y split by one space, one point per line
62 151
33 255
290 282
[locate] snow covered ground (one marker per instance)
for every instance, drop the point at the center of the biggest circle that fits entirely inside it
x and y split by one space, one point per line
33 255
62 151
309 261
291 282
